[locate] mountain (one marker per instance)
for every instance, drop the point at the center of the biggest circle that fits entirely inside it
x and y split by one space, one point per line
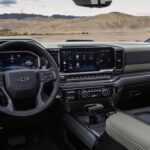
20 16
59 24
117 20
57 16
26 16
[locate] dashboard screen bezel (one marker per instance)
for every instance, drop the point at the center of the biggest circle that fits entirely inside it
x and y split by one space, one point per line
90 49
20 51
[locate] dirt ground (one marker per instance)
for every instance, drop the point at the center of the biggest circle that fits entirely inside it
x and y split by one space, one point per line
115 35
106 35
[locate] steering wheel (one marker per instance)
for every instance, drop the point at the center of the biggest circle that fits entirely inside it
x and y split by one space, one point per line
26 83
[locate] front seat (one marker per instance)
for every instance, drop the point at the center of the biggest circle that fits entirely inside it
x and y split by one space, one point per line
128 131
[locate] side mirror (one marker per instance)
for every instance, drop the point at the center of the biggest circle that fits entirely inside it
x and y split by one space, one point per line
93 3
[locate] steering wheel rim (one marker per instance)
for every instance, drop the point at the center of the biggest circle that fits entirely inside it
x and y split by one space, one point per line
51 73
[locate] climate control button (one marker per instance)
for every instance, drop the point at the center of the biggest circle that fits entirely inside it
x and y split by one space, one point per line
105 92
84 94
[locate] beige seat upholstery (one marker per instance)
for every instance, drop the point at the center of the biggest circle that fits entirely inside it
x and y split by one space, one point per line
128 131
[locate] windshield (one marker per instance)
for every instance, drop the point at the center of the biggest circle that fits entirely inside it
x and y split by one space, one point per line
61 20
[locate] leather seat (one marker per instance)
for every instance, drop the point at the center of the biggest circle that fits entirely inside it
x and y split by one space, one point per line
130 132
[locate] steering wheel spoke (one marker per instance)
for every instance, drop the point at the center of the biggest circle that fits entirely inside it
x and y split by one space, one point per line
39 102
8 101
9 106
45 75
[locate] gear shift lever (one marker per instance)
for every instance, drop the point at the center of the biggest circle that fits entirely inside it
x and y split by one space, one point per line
93 110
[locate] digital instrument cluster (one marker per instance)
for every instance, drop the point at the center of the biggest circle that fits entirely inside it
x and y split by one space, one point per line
86 60
16 60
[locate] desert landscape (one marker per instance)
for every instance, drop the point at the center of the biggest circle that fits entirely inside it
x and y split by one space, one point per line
107 27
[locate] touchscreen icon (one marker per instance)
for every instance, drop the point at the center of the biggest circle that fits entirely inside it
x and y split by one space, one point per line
84 57
77 57
70 67
77 64
91 57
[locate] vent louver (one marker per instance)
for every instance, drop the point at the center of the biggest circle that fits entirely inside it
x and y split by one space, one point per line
55 56
119 59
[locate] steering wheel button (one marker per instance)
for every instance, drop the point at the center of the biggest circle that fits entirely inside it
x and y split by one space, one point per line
47 76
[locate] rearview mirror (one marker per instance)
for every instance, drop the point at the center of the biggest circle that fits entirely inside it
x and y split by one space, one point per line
93 3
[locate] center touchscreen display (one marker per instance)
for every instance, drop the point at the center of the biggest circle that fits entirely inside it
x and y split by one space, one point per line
85 60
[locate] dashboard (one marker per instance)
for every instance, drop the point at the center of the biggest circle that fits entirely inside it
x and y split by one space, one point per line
18 59
99 72
90 72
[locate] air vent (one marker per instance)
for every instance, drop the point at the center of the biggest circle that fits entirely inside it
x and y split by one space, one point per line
119 59
78 40
54 54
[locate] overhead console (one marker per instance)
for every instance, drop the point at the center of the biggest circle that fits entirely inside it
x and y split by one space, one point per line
90 63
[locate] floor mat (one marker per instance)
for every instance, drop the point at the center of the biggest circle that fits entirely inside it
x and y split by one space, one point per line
41 143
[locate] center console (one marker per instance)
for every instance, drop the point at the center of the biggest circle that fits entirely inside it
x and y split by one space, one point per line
90 93
101 128
81 68
88 126
86 86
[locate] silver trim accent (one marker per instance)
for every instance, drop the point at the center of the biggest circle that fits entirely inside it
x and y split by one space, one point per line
92 72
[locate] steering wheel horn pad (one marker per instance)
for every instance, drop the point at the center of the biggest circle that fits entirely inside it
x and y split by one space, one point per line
25 81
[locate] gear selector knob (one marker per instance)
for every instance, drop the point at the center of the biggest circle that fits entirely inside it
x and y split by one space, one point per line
93 110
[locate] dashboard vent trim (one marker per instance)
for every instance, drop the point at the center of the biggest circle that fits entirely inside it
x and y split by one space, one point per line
119 59
55 55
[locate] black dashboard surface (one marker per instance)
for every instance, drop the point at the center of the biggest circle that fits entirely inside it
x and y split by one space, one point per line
134 52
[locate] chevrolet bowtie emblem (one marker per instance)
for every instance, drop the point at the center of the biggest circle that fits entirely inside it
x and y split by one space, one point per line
23 79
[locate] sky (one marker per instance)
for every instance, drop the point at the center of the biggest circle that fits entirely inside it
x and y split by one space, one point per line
67 7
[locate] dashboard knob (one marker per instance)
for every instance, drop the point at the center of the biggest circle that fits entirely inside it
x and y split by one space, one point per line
105 92
84 94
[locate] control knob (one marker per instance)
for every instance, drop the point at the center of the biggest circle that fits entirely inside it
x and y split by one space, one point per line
105 92
84 94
